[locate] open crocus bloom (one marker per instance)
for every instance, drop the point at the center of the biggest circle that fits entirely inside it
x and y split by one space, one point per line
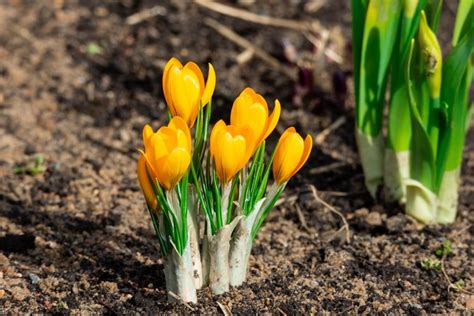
168 152
291 154
251 110
231 148
184 89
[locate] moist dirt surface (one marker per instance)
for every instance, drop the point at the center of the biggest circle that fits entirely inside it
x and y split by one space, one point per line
77 84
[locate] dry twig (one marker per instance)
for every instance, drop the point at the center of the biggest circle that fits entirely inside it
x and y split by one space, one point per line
327 131
301 217
225 309
306 27
332 209
177 298
450 284
145 15
259 19
239 40
327 168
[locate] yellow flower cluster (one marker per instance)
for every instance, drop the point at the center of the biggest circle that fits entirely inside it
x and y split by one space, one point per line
167 152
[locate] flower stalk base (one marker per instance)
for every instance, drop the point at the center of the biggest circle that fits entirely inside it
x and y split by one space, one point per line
218 247
179 276
371 149
396 171
448 197
421 202
242 246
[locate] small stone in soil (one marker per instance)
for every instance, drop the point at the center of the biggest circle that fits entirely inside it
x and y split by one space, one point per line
374 219
470 303
19 293
34 278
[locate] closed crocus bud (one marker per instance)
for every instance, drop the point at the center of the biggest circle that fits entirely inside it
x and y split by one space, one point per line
251 110
168 152
432 57
145 184
184 89
291 154
231 148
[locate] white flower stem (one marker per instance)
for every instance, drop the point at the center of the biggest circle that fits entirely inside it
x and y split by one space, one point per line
371 151
396 171
448 197
421 202
179 275
218 247
193 229
241 246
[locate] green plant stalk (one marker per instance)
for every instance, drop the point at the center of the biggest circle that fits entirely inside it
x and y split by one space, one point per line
420 201
439 132
397 154
359 8
464 20
376 47
246 231
250 204
216 244
450 181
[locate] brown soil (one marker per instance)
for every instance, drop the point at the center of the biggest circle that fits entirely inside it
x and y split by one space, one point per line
76 86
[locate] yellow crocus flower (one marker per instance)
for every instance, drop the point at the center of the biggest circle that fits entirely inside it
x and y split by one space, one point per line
168 152
184 89
231 148
145 184
251 110
291 154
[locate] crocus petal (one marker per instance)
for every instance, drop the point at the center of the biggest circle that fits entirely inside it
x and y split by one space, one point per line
147 133
144 182
210 86
289 151
178 123
308 145
273 119
174 166
233 151
214 139
184 93
198 73
173 62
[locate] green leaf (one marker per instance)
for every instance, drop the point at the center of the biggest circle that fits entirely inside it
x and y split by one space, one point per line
433 13
33 167
267 207
380 30
431 264
399 114
444 250
358 17
422 163
464 20
94 49
454 92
